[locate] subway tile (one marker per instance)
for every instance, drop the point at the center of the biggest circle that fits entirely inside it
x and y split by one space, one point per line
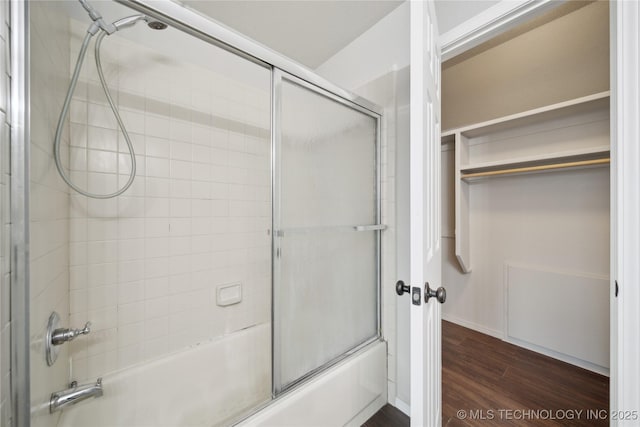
101 297
99 364
130 292
131 249
157 167
181 150
179 246
131 355
156 267
102 274
180 169
180 188
182 226
102 139
155 328
101 229
180 208
153 348
156 247
130 313
131 228
157 147
131 271
101 116
134 121
156 227
157 207
157 126
156 307
156 287
200 190
188 301
132 333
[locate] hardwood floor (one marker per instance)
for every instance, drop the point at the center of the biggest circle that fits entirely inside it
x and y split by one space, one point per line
482 373
388 416
488 382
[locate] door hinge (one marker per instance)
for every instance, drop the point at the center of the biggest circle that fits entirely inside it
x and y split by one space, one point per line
616 295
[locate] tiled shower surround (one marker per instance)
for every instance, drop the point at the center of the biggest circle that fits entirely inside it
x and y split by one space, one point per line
145 266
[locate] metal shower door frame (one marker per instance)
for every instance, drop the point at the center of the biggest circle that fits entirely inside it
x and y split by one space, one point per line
278 76
19 193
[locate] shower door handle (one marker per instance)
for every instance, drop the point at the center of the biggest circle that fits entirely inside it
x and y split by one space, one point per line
372 227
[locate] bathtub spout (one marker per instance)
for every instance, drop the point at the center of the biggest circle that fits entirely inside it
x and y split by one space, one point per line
63 398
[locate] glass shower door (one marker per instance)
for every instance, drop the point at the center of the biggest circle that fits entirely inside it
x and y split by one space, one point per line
326 245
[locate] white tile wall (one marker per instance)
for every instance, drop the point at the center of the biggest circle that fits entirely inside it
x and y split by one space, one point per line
5 236
144 267
49 201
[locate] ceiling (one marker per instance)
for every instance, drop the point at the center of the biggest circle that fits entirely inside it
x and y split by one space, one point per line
308 31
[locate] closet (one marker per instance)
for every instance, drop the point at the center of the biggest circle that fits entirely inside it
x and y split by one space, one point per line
525 172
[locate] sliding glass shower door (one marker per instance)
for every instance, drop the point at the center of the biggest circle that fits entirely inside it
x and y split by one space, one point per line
326 229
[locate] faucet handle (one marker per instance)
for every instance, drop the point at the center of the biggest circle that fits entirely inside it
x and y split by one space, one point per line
62 335
85 330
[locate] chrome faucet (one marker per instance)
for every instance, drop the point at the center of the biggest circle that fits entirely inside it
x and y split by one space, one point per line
74 394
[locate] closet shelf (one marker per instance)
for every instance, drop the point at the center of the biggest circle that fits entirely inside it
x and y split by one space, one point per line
578 159
565 136
585 104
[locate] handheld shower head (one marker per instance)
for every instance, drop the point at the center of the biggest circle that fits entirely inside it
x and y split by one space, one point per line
128 21
132 20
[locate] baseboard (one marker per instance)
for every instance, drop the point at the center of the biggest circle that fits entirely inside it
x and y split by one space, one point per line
476 327
403 406
560 356
553 354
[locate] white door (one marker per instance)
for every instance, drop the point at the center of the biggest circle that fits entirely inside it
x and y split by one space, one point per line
425 258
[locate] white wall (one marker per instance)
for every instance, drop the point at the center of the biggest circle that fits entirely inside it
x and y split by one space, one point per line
382 48
563 59
5 231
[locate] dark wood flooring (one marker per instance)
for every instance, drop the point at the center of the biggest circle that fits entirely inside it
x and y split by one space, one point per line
388 416
488 382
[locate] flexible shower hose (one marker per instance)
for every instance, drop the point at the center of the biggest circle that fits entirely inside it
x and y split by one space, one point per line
65 111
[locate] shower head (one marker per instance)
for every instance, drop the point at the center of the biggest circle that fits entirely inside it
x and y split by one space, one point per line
132 20
128 21
156 25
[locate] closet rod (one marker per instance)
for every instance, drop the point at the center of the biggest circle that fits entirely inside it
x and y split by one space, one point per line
537 168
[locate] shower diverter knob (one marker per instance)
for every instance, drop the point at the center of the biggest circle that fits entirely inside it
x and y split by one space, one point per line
56 336
62 335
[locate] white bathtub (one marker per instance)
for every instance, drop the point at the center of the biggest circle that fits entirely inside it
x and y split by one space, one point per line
201 386
210 384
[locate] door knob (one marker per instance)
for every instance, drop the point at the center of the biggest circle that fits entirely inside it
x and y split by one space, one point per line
401 288
439 294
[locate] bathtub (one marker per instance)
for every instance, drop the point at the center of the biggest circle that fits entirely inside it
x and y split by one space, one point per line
211 383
